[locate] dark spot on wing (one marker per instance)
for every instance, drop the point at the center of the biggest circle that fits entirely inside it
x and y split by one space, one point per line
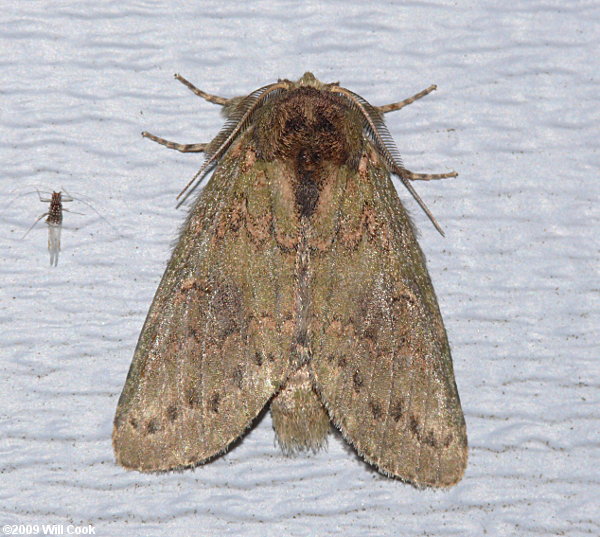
375 410
172 413
397 411
357 380
429 439
152 426
238 377
192 397
413 425
213 404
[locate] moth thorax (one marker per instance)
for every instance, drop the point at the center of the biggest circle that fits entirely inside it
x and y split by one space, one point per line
312 131
312 122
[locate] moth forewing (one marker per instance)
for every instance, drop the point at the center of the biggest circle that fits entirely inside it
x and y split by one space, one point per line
212 351
381 359
297 280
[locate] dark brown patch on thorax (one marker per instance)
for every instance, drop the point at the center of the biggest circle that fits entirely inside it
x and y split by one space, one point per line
312 131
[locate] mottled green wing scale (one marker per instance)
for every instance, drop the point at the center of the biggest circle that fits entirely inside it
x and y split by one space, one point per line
380 355
216 343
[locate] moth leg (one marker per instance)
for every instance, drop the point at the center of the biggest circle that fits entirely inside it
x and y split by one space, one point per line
425 176
406 176
207 96
184 148
397 106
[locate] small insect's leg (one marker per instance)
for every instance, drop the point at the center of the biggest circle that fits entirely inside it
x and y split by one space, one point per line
43 200
33 225
426 176
184 148
72 212
207 96
397 106
66 197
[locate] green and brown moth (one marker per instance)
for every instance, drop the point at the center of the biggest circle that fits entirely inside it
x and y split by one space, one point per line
297 282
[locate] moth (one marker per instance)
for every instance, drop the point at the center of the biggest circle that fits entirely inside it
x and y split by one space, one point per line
297 283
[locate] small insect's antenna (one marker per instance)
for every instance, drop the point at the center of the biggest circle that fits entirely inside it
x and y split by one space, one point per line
20 195
78 198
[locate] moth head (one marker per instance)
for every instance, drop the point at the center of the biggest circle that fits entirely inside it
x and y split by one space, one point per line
232 108
308 79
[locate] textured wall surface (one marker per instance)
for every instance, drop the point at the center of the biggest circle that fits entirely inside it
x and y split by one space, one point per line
516 113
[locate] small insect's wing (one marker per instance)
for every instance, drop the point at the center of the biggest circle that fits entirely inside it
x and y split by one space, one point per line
54 231
381 359
215 345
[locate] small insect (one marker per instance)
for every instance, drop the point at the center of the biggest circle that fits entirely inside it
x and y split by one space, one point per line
55 216
298 283
54 220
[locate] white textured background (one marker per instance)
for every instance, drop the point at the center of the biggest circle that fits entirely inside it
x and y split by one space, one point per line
516 113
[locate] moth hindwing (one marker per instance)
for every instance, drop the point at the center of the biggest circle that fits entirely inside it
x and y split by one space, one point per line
297 282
